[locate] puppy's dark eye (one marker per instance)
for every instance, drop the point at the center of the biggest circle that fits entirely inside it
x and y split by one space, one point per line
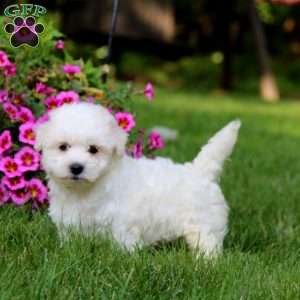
93 149
64 147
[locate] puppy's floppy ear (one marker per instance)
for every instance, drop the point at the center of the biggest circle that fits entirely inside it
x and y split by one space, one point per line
119 137
40 135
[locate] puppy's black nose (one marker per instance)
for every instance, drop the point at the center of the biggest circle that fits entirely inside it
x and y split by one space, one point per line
76 169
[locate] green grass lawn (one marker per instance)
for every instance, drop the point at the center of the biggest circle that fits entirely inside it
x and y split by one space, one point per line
262 250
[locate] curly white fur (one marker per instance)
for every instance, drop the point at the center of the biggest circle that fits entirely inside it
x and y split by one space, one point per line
138 201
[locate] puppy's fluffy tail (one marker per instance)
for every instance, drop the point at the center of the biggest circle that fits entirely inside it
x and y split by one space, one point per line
209 162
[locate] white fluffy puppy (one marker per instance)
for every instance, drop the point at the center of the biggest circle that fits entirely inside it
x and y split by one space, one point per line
94 185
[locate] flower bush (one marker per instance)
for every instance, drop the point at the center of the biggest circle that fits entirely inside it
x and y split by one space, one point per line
32 82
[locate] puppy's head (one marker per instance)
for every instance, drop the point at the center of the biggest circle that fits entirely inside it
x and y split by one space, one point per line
79 141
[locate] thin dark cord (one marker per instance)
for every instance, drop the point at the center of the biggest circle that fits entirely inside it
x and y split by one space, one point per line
105 68
112 30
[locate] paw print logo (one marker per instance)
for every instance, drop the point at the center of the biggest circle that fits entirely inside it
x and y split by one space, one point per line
24 31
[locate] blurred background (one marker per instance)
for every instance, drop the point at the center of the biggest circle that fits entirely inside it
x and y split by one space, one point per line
230 46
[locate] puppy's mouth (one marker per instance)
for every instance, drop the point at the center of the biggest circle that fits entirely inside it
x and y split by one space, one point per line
77 178
73 178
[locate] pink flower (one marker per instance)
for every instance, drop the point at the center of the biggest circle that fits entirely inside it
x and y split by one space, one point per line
27 134
52 102
40 88
71 69
149 91
9 67
43 89
10 167
16 99
10 70
137 150
43 118
4 195
37 190
11 110
90 99
4 61
25 115
60 44
125 120
3 96
14 183
5 141
155 141
20 197
50 90
27 159
67 97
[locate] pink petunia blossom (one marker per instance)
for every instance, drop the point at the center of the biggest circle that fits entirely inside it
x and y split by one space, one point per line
43 89
4 194
90 99
155 141
71 69
43 118
16 99
25 115
14 183
20 197
3 96
38 191
10 167
60 44
125 120
11 110
5 141
50 90
5 64
52 102
40 88
137 150
149 91
28 159
26 133
67 97
10 70
4 61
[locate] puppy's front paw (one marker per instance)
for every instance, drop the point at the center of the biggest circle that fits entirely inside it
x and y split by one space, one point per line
63 235
208 246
